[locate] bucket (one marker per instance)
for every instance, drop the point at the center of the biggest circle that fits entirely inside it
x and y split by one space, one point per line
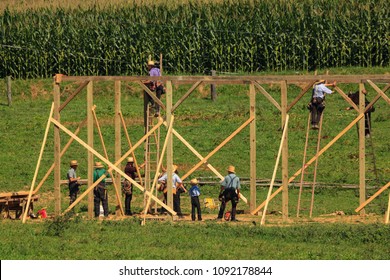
42 213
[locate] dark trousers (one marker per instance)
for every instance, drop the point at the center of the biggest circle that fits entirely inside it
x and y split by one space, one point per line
73 191
128 198
195 204
100 195
176 203
147 99
228 194
367 123
317 107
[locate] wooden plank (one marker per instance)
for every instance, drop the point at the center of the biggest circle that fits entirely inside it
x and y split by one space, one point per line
375 195
57 150
38 164
195 152
151 94
118 145
338 136
378 90
346 98
130 146
302 93
90 163
291 79
114 182
387 215
362 149
230 137
73 95
274 173
267 95
283 89
252 146
186 95
76 132
169 158
111 165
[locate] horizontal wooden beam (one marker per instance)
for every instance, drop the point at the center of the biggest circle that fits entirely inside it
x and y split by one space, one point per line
290 79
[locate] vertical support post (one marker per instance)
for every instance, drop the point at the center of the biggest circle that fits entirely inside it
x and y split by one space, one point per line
362 150
90 143
213 88
118 150
252 114
170 144
161 64
9 91
283 87
57 149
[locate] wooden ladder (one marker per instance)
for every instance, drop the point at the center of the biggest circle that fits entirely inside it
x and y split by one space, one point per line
310 140
152 150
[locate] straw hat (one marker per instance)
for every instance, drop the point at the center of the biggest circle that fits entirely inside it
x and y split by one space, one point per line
319 82
150 63
194 181
130 159
231 169
74 163
98 164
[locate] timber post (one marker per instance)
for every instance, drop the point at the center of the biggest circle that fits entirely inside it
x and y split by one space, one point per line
57 148
283 86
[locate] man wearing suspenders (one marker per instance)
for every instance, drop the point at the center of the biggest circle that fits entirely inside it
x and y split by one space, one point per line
230 190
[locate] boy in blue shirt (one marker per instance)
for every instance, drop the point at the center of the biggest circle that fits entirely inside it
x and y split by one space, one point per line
194 194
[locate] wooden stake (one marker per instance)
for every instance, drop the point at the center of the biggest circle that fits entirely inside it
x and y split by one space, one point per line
274 173
118 197
9 90
364 204
38 164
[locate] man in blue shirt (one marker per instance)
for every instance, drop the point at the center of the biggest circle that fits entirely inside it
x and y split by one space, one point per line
178 188
194 194
317 103
230 190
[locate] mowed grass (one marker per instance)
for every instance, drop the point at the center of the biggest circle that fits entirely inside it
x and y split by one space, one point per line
204 124
120 240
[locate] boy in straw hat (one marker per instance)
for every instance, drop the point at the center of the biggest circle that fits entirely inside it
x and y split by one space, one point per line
73 183
317 103
230 190
100 191
194 194
127 189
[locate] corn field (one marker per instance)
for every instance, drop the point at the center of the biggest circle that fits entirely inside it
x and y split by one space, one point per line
243 36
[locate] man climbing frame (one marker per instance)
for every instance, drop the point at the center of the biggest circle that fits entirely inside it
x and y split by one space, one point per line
317 103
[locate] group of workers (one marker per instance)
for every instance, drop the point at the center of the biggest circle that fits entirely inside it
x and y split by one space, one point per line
230 190
230 186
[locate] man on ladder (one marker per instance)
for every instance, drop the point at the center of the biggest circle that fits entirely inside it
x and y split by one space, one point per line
154 86
317 103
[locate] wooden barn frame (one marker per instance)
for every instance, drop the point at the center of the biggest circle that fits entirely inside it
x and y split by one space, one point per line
255 87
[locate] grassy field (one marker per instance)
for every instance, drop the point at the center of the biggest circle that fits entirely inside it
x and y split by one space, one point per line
204 124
